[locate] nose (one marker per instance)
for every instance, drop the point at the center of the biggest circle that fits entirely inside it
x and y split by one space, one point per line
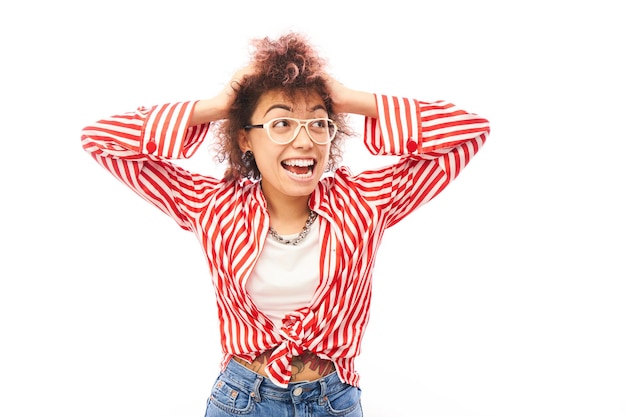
302 139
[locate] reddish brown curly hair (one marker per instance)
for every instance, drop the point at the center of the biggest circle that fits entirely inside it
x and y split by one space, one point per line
289 64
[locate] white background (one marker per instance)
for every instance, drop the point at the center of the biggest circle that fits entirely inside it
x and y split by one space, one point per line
503 297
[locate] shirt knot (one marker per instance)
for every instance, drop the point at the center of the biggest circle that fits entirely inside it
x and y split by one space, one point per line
296 326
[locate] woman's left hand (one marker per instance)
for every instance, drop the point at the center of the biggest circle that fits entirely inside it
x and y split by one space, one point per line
347 100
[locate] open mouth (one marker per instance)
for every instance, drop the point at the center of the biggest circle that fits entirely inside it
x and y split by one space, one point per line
300 168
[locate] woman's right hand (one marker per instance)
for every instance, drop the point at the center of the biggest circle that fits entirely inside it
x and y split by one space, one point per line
229 92
217 108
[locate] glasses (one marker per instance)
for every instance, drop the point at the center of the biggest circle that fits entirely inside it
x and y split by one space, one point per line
283 130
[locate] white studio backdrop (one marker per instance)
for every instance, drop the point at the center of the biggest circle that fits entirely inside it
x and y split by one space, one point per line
503 297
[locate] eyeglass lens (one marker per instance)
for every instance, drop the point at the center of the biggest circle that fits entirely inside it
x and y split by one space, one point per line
285 130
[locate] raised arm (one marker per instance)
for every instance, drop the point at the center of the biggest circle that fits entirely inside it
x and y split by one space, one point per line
347 100
402 126
434 140
167 131
136 148
216 108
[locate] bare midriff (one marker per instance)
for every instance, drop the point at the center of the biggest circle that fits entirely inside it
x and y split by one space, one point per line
306 367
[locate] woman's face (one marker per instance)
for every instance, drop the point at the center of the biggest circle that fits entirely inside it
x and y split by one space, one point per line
293 169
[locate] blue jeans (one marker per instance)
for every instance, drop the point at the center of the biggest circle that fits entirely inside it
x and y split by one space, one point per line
239 391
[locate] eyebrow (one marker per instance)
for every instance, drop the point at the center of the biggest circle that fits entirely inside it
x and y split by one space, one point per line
290 109
278 106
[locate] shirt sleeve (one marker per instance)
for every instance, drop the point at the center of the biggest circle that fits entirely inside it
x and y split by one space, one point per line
410 127
156 132
435 142
136 148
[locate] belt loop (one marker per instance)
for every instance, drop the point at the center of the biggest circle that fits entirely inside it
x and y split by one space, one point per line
323 398
256 393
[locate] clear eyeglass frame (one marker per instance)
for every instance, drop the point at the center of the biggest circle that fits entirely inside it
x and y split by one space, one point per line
300 122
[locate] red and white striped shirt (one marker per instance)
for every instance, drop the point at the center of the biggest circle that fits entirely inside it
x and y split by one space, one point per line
434 142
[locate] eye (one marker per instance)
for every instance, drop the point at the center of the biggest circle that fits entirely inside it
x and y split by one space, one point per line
281 123
319 123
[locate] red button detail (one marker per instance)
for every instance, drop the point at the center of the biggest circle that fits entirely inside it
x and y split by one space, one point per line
411 146
151 147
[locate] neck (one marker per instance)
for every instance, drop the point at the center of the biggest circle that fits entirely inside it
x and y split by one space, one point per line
288 215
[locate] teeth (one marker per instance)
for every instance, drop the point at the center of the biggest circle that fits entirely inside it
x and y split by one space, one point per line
299 162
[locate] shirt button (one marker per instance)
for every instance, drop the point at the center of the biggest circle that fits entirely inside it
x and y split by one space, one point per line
151 146
297 392
411 145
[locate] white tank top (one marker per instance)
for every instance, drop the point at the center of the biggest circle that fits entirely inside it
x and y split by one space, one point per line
285 276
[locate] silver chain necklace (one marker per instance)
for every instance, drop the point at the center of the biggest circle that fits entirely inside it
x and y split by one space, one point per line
305 231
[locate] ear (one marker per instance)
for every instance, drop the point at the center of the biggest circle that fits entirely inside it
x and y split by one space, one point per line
244 141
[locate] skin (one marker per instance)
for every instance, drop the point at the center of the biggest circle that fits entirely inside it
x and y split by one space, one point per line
286 195
306 367
281 188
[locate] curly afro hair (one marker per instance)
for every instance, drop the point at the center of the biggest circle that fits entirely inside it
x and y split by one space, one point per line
289 64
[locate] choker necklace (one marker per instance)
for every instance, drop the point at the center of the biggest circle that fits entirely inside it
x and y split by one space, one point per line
305 231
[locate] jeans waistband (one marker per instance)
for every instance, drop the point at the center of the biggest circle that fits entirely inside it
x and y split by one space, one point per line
263 387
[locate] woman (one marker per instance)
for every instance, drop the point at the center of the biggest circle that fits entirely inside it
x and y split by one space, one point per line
290 249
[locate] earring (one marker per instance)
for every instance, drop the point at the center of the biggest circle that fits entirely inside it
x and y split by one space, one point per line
247 158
